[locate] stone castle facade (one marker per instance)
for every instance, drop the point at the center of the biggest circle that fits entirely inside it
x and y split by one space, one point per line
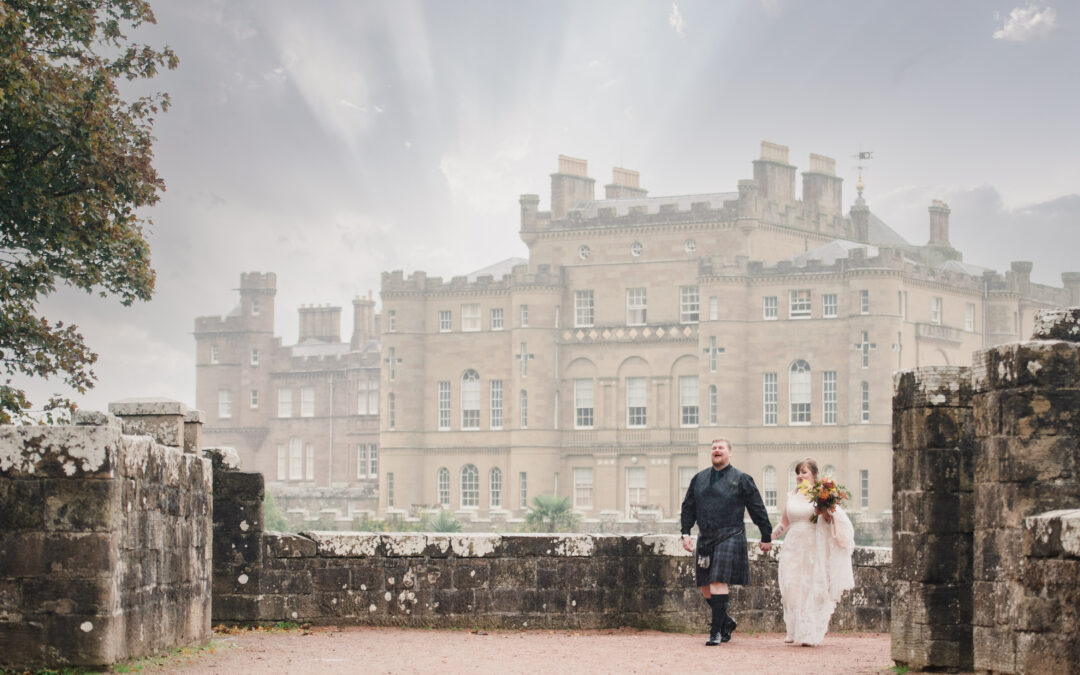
601 367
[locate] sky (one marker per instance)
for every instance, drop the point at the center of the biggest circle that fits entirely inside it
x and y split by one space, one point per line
332 140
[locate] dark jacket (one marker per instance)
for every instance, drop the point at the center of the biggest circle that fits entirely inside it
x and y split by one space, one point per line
718 507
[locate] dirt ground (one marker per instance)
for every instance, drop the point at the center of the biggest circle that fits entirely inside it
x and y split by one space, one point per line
395 650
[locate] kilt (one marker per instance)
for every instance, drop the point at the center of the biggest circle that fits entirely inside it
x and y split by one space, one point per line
722 558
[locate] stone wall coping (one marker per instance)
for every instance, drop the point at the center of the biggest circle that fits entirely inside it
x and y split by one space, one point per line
1057 324
228 456
96 418
1056 531
67 449
194 415
147 406
933 385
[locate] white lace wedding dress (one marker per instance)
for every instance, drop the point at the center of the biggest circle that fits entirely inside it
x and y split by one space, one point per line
815 569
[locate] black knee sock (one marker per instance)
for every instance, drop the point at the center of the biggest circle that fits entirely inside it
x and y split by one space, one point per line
719 604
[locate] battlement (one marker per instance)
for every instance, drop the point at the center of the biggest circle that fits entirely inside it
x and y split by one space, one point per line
258 281
420 282
230 323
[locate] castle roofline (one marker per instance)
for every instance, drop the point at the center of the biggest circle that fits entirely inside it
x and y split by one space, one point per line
589 208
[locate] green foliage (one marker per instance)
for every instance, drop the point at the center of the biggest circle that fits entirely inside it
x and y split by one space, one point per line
75 166
273 519
445 522
549 513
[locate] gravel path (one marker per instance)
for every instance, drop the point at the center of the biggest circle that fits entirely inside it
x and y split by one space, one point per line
353 649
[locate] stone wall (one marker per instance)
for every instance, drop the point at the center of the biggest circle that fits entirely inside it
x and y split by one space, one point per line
104 539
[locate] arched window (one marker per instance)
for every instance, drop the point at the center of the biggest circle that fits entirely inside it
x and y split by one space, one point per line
713 403
768 483
444 487
799 392
495 487
792 481
829 470
470 486
470 400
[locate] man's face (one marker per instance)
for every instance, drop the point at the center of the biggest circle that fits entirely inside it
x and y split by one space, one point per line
721 454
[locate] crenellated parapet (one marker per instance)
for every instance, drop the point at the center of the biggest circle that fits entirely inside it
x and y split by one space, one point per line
396 282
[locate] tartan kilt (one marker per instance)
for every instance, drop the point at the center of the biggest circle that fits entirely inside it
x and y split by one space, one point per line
727 562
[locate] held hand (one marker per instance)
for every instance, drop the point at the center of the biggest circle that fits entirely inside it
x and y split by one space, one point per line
765 546
827 515
688 543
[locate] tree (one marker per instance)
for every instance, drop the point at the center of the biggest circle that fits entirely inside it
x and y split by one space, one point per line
549 513
75 168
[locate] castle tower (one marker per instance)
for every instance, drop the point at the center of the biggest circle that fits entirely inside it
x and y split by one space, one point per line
257 291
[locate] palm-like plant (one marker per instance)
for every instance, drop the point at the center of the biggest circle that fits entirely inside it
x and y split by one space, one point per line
549 513
445 522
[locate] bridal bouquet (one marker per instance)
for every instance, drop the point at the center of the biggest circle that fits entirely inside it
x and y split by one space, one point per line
825 495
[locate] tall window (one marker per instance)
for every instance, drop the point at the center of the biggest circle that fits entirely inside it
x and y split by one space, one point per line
864 301
391 365
282 462
829 306
446 321
390 412
307 402
713 403
254 399
713 351
799 392
470 318
470 400
214 353
688 400
636 405
361 460
444 487
254 356
309 451
714 308
470 486
828 397
583 404
373 460
497 318
390 489
367 397
636 487
296 459
254 307
686 474
584 308
865 402
969 317
523 403
829 470
770 392
523 316
799 307
768 310
523 490
635 306
444 406
864 488
689 305
495 487
224 403
391 321
935 310
496 404
583 488
864 347
284 402
768 486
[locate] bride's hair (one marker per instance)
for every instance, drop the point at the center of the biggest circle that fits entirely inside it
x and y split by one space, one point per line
809 463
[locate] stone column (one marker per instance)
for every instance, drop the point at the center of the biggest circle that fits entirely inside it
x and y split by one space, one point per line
1027 422
238 528
160 418
933 468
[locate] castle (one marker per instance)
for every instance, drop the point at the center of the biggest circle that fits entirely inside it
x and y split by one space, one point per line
601 367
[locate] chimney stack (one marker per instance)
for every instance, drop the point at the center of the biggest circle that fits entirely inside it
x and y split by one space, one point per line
530 207
570 185
821 188
1021 274
364 328
774 176
1071 280
939 224
625 184
320 323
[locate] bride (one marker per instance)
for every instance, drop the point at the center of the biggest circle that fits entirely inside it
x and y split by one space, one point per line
815 562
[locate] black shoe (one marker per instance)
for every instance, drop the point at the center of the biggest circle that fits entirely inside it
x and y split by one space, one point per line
715 638
727 630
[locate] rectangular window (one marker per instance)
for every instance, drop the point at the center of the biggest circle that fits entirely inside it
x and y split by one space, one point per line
367 397
714 308
254 307
768 487
310 452
497 318
769 305
523 403
361 460
688 304
254 399
799 307
714 403
583 488
254 356
391 365
444 488
864 301
391 321
390 489
373 460
635 306
390 412
444 406
214 353
636 487
224 403
864 488
524 356
523 316
583 404
828 397
688 400
446 321
496 404
584 308
865 402
636 402
935 310
296 459
770 393
713 351
284 402
470 318
686 474
470 403
799 393
829 306
282 463
969 317
523 490
307 402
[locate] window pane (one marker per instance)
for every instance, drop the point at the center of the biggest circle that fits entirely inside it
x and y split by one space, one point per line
828 397
470 486
688 304
636 393
799 392
769 398
635 306
470 318
583 404
583 488
688 400
470 400
444 487
496 404
583 308
444 405
800 304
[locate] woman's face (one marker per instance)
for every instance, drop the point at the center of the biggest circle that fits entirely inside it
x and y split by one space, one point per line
804 475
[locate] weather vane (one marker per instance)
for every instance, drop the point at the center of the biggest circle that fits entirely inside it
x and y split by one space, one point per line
862 156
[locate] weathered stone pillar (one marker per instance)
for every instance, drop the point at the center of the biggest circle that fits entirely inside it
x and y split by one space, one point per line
1027 421
238 528
160 418
933 506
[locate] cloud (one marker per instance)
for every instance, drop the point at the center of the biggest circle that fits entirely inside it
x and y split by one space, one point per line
1027 23
486 174
676 20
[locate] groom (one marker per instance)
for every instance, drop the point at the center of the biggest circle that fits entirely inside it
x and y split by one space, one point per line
716 500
